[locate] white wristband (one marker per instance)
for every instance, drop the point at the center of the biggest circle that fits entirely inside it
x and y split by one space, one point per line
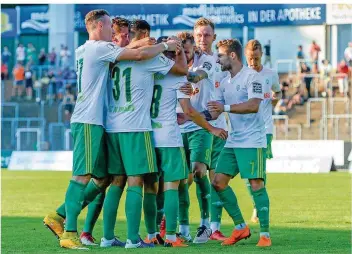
166 46
227 108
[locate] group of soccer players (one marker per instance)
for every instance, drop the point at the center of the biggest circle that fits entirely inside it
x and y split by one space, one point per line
159 115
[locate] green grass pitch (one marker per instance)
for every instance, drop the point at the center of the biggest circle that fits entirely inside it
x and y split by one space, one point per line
310 213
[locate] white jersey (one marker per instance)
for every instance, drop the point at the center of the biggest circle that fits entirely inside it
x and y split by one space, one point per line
131 96
248 130
93 59
167 133
218 77
204 90
270 83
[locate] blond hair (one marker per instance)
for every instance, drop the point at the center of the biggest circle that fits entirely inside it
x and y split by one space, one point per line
94 16
185 36
253 45
204 22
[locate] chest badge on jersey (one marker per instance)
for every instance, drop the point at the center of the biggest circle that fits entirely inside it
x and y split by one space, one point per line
267 81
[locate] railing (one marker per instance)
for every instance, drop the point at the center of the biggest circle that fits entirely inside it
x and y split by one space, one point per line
67 139
28 130
285 118
323 109
345 100
53 141
299 130
13 105
336 124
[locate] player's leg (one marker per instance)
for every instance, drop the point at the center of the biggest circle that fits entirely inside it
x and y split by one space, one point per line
137 143
226 169
118 181
252 164
87 143
160 218
216 205
200 144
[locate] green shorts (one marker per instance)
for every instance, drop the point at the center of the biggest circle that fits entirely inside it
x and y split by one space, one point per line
218 145
249 162
131 153
89 150
172 162
269 152
198 146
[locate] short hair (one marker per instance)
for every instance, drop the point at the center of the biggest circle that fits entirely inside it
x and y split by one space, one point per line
185 36
140 24
161 39
253 45
232 45
119 22
95 15
204 22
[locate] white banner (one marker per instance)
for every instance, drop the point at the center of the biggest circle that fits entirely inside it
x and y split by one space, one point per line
299 165
33 160
338 14
291 149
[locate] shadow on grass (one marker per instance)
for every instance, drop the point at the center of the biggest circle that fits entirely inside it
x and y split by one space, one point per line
28 235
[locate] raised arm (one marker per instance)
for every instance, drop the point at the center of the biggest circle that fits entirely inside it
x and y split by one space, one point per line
180 67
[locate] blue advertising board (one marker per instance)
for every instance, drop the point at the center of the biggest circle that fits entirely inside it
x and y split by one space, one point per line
8 23
34 19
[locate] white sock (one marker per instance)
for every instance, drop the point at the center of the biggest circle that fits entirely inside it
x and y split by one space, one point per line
171 238
214 226
205 222
151 236
184 230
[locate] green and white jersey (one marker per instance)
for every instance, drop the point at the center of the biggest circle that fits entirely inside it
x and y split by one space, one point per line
204 90
167 132
93 59
130 99
270 83
247 130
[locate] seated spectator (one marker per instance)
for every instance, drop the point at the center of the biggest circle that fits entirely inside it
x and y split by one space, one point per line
42 57
307 80
68 102
342 79
29 83
18 74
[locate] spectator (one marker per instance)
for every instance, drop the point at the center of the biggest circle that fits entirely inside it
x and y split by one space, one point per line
267 48
325 72
348 54
65 55
342 70
4 71
31 54
20 53
68 102
5 56
42 56
18 74
305 70
300 54
29 82
314 54
52 57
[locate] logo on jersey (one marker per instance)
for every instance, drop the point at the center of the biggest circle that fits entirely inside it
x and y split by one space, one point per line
267 81
217 84
266 95
195 91
207 66
111 46
238 87
257 87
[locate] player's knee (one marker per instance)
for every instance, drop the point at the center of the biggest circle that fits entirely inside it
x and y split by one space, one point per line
151 187
135 181
82 179
256 184
102 182
218 185
119 181
199 169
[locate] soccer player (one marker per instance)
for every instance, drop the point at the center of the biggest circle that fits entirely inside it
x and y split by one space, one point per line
93 59
272 93
244 151
204 35
197 141
170 155
130 145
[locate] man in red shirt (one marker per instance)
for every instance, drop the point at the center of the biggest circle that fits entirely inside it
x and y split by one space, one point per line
314 54
342 70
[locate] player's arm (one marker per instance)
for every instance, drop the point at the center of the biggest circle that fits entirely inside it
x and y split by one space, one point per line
148 52
206 70
148 41
180 67
276 90
198 119
248 107
196 76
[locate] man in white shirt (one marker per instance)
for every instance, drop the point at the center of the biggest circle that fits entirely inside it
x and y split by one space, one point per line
244 152
20 53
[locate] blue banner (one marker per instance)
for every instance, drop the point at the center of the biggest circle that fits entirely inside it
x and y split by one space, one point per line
183 16
8 22
34 19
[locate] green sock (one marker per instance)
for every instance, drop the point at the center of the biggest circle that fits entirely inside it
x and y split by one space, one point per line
261 200
216 206
94 209
160 208
171 211
133 210
61 211
249 188
203 187
111 205
73 203
184 203
229 200
149 209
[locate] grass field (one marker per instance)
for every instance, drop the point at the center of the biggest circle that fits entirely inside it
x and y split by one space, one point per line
310 213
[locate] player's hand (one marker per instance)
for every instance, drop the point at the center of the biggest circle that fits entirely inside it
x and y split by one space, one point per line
219 133
187 89
174 38
147 41
215 106
181 118
173 45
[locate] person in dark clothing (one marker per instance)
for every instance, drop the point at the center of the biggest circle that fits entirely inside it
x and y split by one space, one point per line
307 80
267 48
